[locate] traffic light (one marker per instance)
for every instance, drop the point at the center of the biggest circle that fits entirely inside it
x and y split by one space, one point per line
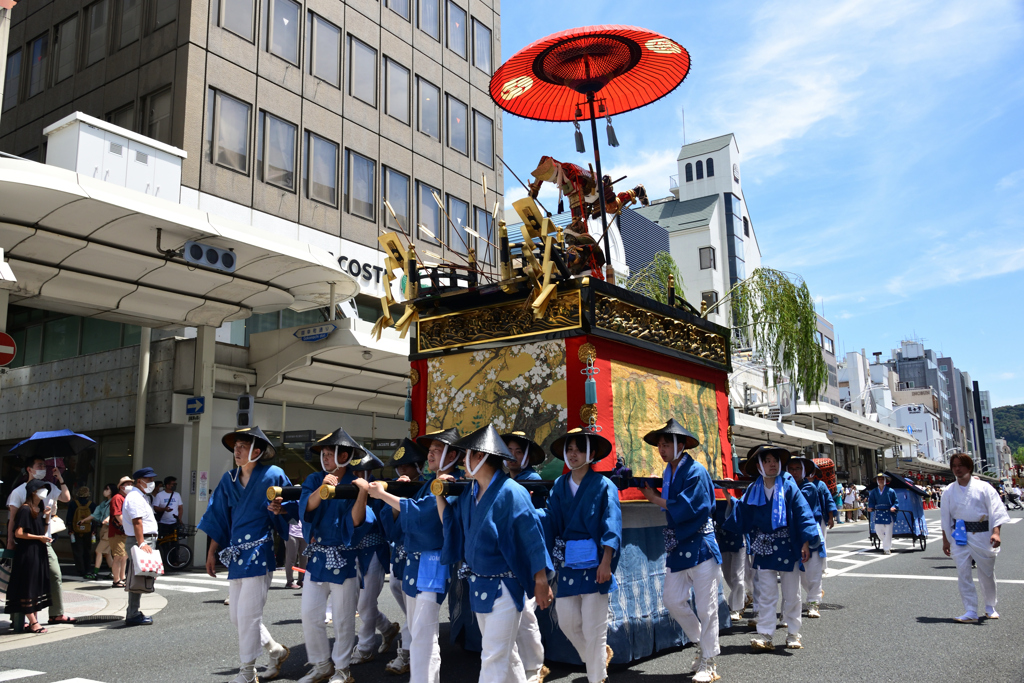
212 257
246 411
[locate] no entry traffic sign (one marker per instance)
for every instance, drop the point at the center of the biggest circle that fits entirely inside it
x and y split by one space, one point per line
8 349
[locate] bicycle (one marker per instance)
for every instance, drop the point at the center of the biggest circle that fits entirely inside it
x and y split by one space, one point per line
176 555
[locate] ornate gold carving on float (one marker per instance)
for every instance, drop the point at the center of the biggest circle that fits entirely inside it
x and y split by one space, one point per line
655 328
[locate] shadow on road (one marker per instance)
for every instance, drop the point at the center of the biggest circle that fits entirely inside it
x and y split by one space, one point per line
943 620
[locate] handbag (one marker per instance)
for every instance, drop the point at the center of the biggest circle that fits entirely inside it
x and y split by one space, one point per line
5 576
147 564
57 525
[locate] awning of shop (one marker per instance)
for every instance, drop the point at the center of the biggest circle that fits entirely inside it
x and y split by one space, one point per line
82 246
348 370
750 431
924 465
846 427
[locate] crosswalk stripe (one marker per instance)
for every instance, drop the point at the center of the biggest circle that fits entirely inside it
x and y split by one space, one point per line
15 674
183 589
1015 520
186 579
923 577
78 680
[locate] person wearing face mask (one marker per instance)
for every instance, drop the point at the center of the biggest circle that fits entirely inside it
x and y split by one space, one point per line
332 528
241 528
28 590
101 517
80 525
425 580
781 529
692 557
117 531
802 470
141 529
493 529
35 470
583 527
883 505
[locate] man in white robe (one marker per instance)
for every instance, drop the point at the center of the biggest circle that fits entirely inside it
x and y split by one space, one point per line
972 515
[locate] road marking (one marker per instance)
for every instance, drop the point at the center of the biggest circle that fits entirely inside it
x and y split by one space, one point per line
184 589
78 680
1015 520
206 582
15 674
922 578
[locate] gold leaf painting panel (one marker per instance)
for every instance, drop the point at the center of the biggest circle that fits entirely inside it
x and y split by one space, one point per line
645 400
517 388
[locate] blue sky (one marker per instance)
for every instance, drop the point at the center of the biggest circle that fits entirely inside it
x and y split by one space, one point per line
882 154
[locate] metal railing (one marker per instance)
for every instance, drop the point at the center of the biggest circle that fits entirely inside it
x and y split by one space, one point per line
673 182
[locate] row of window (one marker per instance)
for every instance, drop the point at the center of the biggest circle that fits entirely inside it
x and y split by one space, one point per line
688 169
80 41
155 120
43 337
282 21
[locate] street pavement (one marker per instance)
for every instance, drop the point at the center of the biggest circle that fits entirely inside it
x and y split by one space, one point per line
884 618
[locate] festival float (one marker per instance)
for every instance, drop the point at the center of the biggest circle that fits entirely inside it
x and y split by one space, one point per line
544 339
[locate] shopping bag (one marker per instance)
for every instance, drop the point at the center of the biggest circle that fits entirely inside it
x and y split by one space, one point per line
147 564
5 576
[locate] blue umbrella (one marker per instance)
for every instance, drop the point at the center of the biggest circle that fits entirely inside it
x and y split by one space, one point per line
56 444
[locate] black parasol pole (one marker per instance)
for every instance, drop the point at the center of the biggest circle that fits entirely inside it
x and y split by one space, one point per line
610 271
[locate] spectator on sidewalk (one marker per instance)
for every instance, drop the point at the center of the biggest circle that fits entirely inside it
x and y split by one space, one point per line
851 503
28 590
140 526
117 533
168 506
80 524
35 470
101 516
294 548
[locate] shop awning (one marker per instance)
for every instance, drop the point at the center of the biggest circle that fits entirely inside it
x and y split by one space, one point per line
750 431
924 465
85 247
846 427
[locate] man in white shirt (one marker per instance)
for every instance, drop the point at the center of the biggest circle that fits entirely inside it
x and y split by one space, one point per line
168 506
972 515
140 527
35 468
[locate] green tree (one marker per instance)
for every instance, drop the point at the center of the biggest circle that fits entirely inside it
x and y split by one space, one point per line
652 280
1018 457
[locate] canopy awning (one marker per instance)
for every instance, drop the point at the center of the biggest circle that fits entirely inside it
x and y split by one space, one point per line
751 430
924 465
86 247
846 427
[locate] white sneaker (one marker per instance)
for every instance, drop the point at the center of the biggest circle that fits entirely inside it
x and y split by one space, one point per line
278 654
695 664
968 618
360 657
812 611
793 642
342 676
388 637
399 665
761 642
707 671
320 672
246 674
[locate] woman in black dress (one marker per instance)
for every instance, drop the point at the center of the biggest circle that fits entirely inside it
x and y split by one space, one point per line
29 588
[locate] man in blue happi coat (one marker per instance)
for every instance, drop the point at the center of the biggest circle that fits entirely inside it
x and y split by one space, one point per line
241 528
883 505
802 469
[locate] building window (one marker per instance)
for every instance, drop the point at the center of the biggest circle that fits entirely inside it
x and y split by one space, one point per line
457 30
746 227
396 191
483 139
399 7
700 170
12 78
323 49
164 12
321 169
362 72
359 186
228 131
428 213
283 29
458 238
38 54
707 258
828 344
96 32
429 108
711 167
483 223
708 298
238 17
158 116
458 126
944 368
275 151
430 18
689 172
131 22
396 90
64 43
481 47
123 117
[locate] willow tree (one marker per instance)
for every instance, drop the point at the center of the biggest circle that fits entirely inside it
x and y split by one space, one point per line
653 279
774 311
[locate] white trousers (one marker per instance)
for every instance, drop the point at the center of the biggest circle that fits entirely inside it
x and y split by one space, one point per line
884 532
371 619
395 583
701 627
424 651
584 621
343 598
248 596
499 659
749 574
531 649
810 577
768 598
980 548
823 525
733 571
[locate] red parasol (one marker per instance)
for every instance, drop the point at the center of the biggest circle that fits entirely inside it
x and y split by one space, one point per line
620 68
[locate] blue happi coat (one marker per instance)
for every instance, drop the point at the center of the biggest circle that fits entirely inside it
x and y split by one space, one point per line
592 514
728 542
528 474
880 502
391 525
422 532
330 533
828 503
812 495
237 518
499 538
784 543
689 530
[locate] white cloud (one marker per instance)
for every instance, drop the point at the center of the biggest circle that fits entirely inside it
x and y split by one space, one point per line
1010 181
